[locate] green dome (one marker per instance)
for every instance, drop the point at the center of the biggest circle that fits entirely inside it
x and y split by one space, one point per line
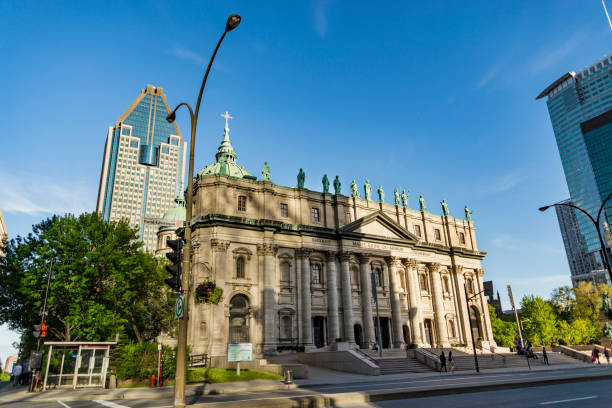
176 214
226 161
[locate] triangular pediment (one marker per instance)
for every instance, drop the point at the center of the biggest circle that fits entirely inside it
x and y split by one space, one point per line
378 225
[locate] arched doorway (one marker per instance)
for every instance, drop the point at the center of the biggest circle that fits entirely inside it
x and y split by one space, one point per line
429 336
358 334
475 323
318 331
239 320
406 333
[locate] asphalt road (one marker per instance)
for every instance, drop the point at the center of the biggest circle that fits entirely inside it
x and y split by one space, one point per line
584 395
593 392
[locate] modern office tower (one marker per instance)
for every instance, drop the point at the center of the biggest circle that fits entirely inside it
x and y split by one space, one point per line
573 100
584 266
143 166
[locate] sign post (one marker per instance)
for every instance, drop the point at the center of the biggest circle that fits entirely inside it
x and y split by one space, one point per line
239 352
179 307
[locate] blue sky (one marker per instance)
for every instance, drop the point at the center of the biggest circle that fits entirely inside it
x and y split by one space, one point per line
436 98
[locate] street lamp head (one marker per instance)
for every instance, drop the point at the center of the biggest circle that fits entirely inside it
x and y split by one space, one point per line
232 22
546 207
171 117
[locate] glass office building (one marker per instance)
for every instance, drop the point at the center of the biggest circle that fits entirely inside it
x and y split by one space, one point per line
143 166
574 99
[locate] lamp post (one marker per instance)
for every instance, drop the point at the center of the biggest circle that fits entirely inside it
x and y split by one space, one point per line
606 259
181 352
467 302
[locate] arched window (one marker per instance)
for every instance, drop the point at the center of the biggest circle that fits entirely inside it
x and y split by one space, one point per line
446 284
239 319
355 276
316 274
423 282
240 267
470 285
285 272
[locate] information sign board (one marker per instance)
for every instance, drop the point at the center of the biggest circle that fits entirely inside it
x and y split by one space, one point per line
240 352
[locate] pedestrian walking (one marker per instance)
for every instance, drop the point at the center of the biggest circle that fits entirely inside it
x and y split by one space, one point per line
17 370
607 355
443 362
595 356
545 356
451 362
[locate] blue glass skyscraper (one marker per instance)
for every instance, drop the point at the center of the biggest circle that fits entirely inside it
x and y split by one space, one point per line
574 99
143 166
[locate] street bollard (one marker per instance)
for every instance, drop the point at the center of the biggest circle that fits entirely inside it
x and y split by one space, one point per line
152 380
288 377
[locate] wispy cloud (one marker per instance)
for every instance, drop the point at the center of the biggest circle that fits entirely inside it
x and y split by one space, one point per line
35 195
188 55
506 241
320 14
493 71
506 182
549 58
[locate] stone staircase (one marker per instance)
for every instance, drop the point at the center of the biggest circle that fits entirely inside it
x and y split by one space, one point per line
396 361
509 360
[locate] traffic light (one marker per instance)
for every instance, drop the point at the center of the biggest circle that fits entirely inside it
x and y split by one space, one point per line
175 268
36 332
43 328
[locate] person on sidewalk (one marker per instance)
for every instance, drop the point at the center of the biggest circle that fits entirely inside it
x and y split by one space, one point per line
595 355
607 355
17 370
545 356
451 362
443 362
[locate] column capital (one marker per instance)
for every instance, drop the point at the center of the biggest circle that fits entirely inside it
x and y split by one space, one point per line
458 269
394 261
479 272
410 263
267 249
219 245
433 267
345 256
301 253
330 256
364 258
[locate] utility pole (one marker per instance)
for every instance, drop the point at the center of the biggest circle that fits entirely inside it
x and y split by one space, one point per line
518 323
467 302
42 321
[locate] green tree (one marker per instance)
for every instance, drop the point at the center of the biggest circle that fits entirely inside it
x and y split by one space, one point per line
504 333
563 300
102 283
539 320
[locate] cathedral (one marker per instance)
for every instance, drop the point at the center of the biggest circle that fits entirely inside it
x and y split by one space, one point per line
302 268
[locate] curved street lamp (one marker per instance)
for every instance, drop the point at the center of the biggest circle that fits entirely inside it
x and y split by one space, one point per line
606 259
181 352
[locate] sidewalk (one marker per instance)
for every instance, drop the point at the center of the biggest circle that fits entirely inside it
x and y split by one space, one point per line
8 393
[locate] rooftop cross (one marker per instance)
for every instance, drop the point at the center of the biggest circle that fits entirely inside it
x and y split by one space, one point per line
227 117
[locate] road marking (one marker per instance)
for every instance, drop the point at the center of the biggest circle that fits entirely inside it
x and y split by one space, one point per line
63 405
110 404
568 400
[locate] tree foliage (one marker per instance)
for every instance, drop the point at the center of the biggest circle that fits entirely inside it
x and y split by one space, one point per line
504 332
539 320
101 282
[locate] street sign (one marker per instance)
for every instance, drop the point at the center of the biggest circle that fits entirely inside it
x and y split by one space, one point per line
178 309
240 352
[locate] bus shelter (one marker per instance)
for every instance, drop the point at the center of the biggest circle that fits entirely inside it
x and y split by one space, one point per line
77 364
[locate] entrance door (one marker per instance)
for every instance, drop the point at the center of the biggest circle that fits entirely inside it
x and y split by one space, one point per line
239 320
429 332
384 331
357 333
318 331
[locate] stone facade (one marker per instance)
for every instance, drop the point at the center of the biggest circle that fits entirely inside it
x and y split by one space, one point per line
306 277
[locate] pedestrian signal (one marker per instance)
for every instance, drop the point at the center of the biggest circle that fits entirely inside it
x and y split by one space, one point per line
43 328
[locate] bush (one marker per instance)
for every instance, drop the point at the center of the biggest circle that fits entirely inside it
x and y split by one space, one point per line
139 361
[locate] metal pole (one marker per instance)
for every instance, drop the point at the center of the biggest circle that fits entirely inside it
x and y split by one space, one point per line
42 318
471 329
181 350
518 325
374 279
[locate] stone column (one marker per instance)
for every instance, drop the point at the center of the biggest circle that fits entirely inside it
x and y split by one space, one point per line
332 298
268 252
347 298
304 259
366 300
436 290
414 297
487 331
464 315
394 264
217 321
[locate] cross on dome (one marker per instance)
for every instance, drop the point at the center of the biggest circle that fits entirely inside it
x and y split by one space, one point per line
227 117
